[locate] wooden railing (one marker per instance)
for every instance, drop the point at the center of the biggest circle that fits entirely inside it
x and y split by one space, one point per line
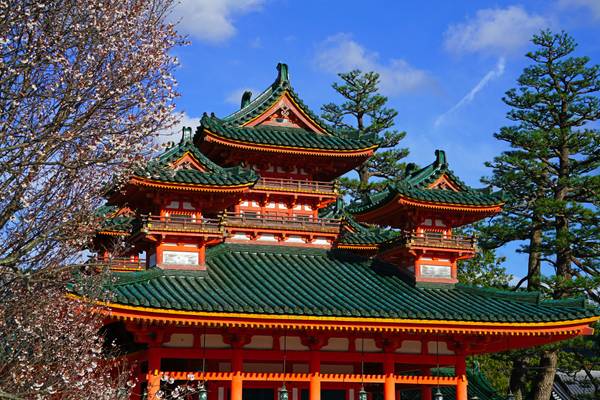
150 223
282 222
179 224
119 263
434 239
290 185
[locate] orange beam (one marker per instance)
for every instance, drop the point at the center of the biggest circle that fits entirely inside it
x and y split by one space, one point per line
258 321
302 377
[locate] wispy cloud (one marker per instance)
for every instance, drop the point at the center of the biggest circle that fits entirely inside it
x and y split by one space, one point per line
494 73
211 21
173 134
593 6
340 53
499 31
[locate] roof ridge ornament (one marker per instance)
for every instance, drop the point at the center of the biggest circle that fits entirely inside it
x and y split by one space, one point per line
440 158
186 134
282 73
246 99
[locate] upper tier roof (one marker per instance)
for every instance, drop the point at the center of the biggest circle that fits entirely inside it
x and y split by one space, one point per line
433 184
309 132
276 280
202 172
284 137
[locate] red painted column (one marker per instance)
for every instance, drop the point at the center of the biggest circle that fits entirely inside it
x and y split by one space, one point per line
152 376
461 373
389 383
236 380
426 389
315 378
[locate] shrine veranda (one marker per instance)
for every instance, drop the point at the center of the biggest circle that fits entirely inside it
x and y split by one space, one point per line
246 270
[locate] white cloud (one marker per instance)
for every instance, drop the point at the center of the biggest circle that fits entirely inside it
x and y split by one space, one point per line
497 31
211 20
173 134
340 53
494 73
235 97
592 5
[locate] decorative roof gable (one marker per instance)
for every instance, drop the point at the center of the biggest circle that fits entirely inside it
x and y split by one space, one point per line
435 183
278 101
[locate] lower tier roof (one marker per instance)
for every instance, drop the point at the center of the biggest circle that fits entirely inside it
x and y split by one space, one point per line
276 280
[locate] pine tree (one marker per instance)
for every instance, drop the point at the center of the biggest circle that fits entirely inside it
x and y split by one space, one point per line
364 113
550 175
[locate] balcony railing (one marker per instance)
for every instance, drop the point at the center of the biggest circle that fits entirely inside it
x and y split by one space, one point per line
119 263
434 239
179 224
283 222
292 185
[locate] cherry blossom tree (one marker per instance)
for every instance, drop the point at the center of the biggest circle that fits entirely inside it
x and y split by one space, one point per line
84 87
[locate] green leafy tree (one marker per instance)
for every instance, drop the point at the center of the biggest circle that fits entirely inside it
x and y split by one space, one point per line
550 177
364 113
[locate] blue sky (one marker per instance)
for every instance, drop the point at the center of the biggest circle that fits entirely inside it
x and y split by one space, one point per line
445 65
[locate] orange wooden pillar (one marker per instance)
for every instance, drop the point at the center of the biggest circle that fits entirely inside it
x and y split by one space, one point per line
152 376
315 378
389 383
236 380
461 373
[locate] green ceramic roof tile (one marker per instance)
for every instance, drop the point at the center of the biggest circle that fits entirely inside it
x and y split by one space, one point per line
112 222
366 238
268 97
425 176
284 136
160 169
302 281
354 232
231 126
414 186
192 176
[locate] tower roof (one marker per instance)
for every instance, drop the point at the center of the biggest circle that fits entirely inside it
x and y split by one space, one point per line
277 120
199 171
434 186
313 282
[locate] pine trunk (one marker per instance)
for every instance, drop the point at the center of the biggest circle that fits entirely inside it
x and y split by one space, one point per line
518 375
545 377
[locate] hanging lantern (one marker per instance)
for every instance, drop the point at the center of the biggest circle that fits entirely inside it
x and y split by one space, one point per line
362 394
202 392
510 395
283 393
438 395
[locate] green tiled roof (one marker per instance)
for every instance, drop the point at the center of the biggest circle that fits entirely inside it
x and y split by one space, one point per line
284 136
112 222
159 169
268 97
423 177
315 282
229 177
365 237
230 127
414 186
353 232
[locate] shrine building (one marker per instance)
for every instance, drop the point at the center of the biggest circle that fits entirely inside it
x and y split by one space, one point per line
236 263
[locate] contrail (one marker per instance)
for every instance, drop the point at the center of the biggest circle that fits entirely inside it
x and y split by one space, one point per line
496 72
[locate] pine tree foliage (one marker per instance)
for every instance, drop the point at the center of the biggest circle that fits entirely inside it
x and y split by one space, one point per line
364 113
550 178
